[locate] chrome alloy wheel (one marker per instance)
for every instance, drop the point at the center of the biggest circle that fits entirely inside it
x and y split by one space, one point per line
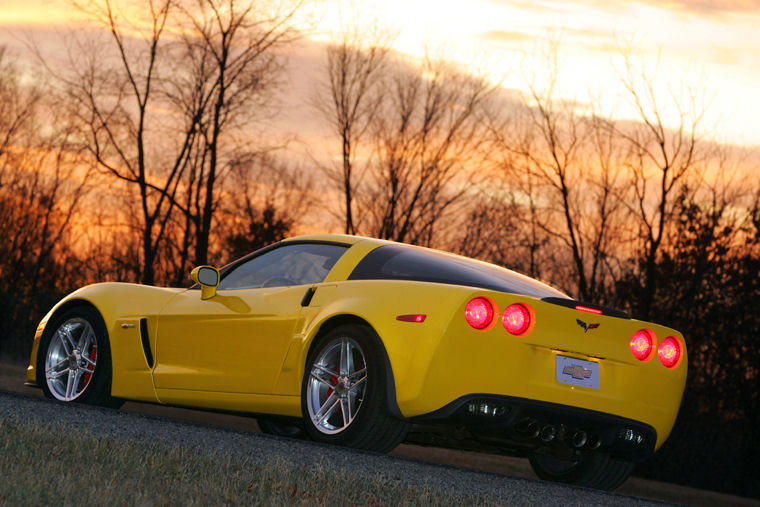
336 386
71 359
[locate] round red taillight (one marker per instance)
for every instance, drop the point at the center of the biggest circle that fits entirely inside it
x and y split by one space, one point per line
479 313
516 318
642 344
669 352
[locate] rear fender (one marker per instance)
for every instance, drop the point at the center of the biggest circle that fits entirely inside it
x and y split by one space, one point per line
408 346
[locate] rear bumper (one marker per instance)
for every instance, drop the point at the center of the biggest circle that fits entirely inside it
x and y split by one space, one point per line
509 422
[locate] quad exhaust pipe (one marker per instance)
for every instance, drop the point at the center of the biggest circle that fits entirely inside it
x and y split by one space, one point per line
577 439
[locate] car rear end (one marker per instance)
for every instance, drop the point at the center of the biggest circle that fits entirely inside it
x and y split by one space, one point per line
554 372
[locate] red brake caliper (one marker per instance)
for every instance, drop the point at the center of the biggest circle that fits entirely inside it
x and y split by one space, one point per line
333 381
93 356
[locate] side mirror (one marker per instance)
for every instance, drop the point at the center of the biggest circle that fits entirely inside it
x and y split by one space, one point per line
208 277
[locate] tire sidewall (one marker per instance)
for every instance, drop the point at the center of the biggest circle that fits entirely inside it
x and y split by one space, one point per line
98 390
571 475
374 399
594 470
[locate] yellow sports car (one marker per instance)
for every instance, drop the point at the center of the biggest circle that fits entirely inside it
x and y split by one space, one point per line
367 343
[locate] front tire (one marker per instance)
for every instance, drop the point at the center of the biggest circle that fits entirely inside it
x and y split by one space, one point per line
344 392
74 359
592 470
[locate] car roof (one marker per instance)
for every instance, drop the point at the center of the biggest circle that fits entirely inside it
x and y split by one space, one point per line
337 238
362 246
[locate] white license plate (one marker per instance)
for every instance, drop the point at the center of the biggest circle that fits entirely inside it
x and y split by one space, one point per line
577 372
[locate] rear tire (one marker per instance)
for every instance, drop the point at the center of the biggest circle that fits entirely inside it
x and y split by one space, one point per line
74 359
593 470
344 392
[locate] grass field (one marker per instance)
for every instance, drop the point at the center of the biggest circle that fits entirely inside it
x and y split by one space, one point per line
44 465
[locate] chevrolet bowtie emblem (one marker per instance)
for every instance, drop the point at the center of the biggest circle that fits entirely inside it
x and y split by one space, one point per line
586 327
577 371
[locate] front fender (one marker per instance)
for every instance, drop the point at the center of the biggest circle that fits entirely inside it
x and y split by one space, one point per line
119 304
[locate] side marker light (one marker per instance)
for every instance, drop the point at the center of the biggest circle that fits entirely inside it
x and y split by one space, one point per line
416 317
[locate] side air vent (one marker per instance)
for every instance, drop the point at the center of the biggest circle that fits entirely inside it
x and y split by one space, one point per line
146 341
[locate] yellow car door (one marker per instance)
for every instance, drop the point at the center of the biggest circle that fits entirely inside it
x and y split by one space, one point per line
236 341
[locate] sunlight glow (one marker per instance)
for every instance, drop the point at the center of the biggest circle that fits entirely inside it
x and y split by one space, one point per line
716 54
716 51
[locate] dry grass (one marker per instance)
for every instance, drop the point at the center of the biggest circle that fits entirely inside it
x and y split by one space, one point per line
12 374
45 465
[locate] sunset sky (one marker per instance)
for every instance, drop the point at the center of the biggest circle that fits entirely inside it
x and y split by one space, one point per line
711 45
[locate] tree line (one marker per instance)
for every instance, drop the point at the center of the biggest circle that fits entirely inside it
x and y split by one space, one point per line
135 162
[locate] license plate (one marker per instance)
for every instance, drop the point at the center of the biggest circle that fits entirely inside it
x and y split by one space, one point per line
577 372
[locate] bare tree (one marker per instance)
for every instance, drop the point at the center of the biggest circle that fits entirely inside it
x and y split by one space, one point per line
661 158
40 190
112 90
427 141
164 114
234 66
270 198
515 216
562 159
350 100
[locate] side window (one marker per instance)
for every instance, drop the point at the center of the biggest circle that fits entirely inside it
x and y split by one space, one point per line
289 264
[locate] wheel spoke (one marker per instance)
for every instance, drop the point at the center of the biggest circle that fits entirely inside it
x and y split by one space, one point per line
349 357
89 361
357 373
56 365
77 377
324 370
62 337
318 414
348 406
320 379
343 356
69 385
358 383
86 338
67 334
329 411
344 412
57 374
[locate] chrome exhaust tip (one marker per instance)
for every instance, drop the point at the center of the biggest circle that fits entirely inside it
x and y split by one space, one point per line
593 442
548 433
528 428
579 439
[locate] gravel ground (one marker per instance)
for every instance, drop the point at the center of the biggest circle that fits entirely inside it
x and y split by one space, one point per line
142 428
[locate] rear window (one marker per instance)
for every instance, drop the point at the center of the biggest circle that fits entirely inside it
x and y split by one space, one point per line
398 262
